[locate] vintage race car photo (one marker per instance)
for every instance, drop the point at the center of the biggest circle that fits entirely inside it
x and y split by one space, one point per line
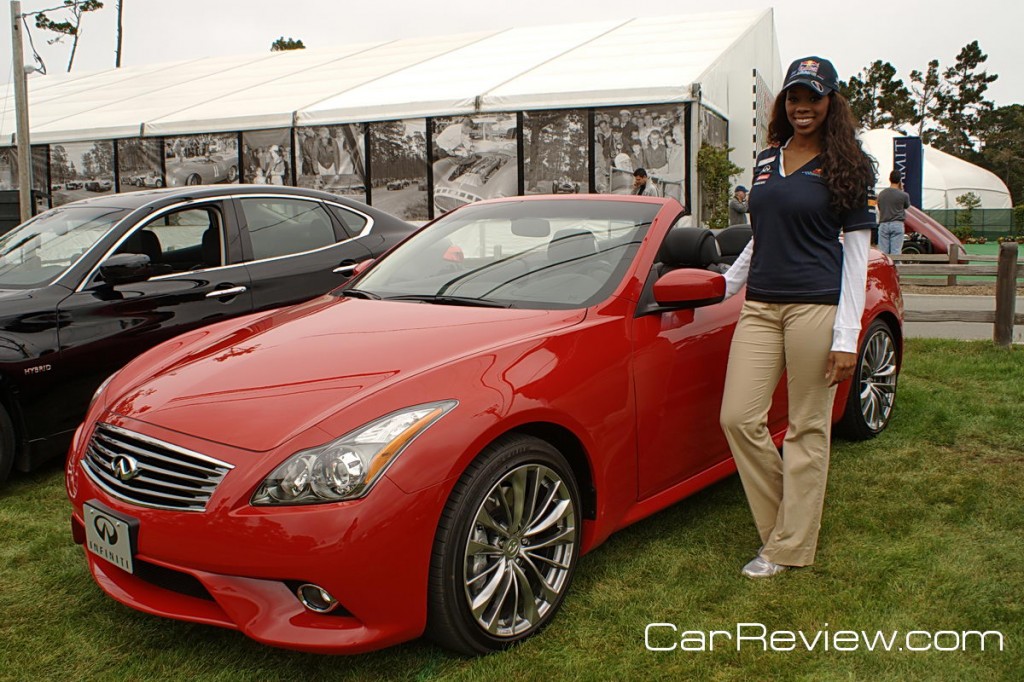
203 170
432 448
89 285
460 181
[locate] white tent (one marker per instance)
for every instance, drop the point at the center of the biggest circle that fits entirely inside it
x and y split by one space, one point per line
604 63
945 176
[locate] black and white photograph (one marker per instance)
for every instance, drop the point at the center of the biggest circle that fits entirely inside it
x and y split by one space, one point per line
398 156
332 159
79 170
208 159
267 157
138 164
555 152
651 137
9 173
475 158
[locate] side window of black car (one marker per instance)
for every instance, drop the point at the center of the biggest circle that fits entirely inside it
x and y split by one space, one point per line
180 241
350 220
282 227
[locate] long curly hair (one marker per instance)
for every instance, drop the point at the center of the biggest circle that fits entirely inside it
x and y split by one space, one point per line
847 170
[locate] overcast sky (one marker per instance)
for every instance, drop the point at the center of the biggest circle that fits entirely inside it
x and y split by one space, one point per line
906 33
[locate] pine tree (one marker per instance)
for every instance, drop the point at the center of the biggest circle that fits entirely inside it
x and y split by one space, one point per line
878 98
962 103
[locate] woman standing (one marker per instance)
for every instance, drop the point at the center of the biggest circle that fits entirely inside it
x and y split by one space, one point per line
805 297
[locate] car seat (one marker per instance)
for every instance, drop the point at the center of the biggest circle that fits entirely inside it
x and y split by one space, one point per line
689 247
211 247
732 241
144 242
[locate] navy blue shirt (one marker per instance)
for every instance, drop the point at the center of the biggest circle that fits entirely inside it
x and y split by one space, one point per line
797 255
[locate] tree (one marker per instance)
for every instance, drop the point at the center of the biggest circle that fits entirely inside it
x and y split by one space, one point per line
283 44
965 217
878 98
1001 132
926 88
71 27
962 103
716 172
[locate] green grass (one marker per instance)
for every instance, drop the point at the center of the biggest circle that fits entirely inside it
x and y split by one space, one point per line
922 531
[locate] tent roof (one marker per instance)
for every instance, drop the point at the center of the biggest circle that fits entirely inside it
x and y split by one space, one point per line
945 176
645 60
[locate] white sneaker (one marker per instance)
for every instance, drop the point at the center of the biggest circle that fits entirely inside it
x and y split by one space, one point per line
760 567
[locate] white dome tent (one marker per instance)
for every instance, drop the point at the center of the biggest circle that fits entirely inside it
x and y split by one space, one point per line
945 176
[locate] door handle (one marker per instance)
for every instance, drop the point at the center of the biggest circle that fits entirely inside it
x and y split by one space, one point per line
224 293
346 268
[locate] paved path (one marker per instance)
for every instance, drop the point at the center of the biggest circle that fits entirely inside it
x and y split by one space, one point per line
955 330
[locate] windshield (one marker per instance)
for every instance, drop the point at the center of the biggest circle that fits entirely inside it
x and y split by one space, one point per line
40 250
528 254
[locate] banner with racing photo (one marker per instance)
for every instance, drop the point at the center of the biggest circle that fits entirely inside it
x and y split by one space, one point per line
79 170
650 137
267 157
332 159
209 159
138 164
475 157
555 152
398 157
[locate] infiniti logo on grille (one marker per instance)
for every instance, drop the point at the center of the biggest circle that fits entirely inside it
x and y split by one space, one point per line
124 467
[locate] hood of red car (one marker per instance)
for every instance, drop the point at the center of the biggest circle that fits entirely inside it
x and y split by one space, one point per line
256 386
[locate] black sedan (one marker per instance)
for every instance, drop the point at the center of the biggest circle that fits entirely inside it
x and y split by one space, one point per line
89 285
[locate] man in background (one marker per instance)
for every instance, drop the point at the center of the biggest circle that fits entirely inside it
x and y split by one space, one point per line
738 207
892 205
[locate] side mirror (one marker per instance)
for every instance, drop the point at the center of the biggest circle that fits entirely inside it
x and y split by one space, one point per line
362 266
685 288
125 268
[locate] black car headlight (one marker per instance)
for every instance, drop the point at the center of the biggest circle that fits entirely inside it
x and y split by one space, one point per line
347 467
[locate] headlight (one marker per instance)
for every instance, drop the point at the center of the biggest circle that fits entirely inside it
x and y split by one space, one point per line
346 468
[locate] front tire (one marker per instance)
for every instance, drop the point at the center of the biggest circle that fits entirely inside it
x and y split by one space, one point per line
193 180
7 445
873 389
506 547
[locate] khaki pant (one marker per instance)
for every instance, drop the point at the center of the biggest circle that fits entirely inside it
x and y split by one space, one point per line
785 493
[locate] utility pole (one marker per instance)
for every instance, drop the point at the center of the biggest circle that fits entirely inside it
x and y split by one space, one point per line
21 105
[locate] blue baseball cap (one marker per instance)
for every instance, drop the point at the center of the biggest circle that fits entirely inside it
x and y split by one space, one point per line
816 73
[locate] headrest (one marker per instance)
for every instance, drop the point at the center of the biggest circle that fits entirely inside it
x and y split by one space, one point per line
570 244
689 247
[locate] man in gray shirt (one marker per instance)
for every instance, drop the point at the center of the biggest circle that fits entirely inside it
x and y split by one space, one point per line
892 205
738 207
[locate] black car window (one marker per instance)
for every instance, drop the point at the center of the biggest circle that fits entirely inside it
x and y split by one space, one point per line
189 239
45 247
281 227
351 221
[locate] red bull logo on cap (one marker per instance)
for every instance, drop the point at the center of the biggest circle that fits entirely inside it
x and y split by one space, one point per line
808 67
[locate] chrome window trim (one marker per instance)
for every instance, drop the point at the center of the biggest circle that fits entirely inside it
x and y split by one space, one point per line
366 230
148 219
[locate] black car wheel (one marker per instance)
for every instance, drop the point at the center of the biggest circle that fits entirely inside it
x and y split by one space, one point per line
6 445
506 547
873 389
232 173
194 179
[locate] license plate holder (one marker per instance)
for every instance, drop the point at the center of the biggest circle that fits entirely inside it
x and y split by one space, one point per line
110 535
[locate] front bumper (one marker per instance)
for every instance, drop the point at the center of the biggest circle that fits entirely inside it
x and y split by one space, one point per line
237 566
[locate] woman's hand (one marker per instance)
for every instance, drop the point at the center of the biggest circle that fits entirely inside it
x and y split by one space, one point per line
839 367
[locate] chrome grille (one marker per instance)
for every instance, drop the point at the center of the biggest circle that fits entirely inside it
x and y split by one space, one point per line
149 472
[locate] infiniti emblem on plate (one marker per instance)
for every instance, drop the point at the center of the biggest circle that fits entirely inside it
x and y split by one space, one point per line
125 468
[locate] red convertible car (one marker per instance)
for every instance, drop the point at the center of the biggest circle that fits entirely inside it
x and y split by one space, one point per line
432 449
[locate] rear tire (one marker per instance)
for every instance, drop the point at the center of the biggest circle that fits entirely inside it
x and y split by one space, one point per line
506 548
873 387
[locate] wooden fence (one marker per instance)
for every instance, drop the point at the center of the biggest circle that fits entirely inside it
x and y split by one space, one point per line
956 265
